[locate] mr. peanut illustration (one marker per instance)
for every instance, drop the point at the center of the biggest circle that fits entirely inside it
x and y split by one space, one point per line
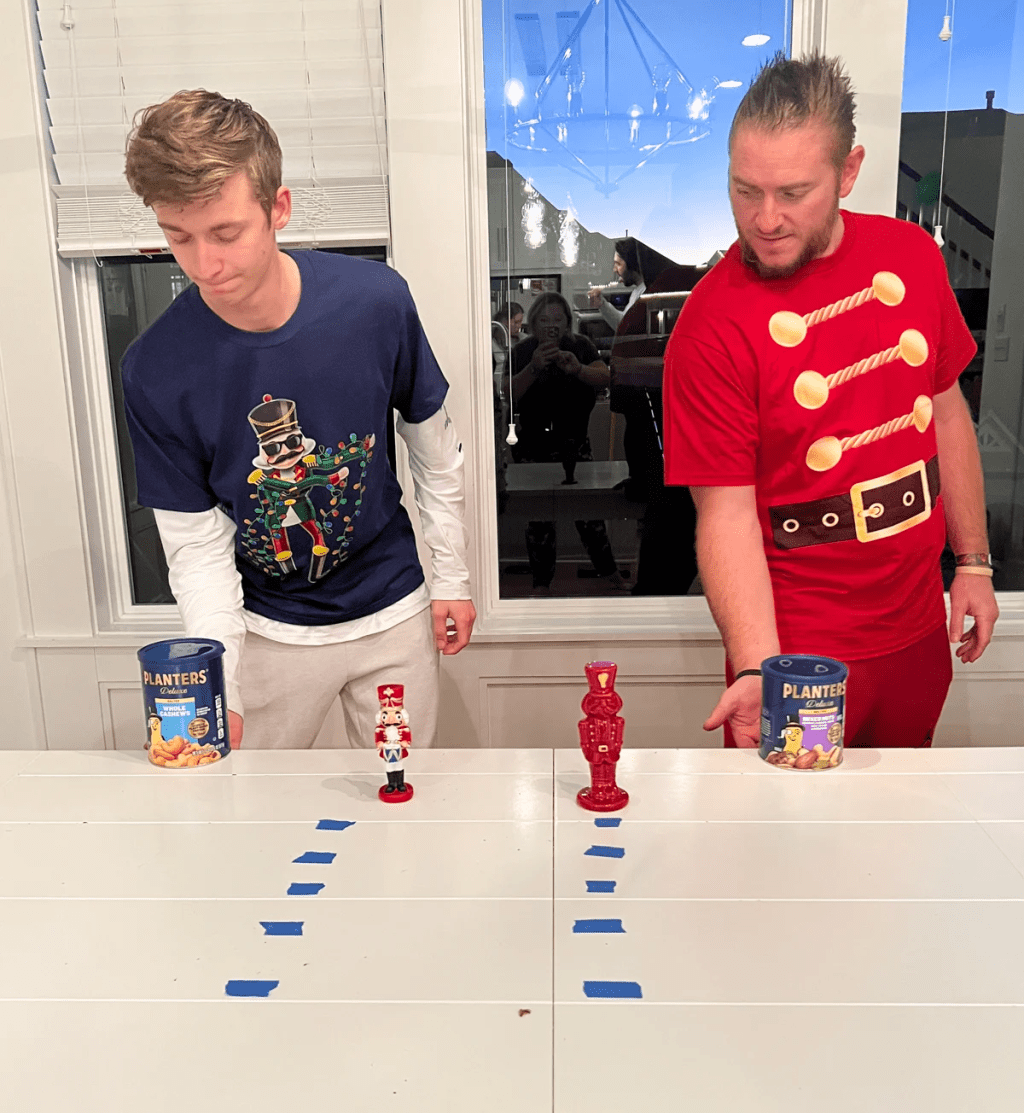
285 476
793 733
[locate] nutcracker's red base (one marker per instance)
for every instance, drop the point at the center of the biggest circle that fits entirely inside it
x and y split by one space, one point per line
394 797
602 799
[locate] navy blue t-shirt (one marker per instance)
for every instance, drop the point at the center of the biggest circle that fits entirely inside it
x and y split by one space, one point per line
286 432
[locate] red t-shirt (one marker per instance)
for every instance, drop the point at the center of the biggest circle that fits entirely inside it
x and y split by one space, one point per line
852 530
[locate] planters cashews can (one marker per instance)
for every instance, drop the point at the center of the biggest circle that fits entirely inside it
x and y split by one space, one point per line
803 707
186 713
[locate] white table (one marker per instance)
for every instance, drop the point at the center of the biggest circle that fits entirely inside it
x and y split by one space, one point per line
841 941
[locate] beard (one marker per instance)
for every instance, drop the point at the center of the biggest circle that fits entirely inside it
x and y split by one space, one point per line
816 245
630 278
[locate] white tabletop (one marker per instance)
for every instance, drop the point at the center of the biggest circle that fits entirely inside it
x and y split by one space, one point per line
843 940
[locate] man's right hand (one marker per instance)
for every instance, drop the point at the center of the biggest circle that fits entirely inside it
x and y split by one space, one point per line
594 297
741 705
235 729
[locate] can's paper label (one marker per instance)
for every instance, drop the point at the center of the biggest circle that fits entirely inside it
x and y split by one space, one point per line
803 709
183 689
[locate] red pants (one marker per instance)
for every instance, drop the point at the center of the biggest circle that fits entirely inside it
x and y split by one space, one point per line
894 700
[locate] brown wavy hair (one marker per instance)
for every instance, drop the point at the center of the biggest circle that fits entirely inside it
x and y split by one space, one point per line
185 148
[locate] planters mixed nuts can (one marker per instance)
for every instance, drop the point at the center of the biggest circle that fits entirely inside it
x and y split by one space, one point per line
183 691
803 708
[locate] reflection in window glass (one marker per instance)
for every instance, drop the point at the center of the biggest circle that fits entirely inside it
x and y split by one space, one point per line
134 292
961 149
607 129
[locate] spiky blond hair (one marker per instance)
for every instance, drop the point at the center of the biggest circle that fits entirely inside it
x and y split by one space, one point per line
789 92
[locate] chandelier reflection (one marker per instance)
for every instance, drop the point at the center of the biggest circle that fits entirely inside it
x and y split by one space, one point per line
607 121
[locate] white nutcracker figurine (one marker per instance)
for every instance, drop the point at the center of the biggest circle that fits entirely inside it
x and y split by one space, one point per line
393 739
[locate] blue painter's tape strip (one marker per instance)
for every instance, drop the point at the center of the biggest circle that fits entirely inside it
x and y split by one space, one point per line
598 927
606 852
612 989
316 858
334 824
250 989
606 821
600 886
304 888
281 927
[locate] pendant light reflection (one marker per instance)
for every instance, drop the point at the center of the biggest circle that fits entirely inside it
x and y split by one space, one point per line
533 217
635 107
568 237
947 31
760 38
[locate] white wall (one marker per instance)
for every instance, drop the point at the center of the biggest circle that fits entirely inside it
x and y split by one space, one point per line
41 537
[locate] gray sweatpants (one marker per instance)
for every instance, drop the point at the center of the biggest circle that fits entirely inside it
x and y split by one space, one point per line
288 689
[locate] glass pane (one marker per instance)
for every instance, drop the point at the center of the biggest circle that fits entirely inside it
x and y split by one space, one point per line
134 292
961 158
607 129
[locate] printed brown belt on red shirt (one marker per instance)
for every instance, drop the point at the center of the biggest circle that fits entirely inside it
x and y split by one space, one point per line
871 510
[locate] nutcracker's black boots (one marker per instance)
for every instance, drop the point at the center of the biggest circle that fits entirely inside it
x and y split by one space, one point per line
394 781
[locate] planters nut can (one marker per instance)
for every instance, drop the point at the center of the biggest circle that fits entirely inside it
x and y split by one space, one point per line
183 691
803 707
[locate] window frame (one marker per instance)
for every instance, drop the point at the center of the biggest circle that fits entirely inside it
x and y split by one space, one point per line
106 529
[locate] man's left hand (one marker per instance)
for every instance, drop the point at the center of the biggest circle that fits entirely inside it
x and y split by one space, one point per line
461 614
971 595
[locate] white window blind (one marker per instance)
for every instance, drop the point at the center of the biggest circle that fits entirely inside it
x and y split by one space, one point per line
313 68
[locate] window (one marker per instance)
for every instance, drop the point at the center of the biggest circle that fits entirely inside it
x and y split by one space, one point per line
961 146
314 69
607 127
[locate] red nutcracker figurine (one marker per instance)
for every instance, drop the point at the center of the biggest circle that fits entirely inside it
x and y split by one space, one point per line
601 740
393 739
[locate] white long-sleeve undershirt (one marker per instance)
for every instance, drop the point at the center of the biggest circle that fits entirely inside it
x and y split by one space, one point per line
200 552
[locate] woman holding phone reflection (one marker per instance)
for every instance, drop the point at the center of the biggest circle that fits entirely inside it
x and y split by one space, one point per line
556 375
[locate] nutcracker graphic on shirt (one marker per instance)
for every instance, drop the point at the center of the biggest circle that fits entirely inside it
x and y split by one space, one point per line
307 496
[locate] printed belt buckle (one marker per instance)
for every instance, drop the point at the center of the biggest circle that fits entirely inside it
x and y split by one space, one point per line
862 513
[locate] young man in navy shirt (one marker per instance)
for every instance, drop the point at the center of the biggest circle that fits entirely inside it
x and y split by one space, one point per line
258 406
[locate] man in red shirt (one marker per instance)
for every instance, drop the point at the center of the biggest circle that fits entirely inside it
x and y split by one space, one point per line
811 405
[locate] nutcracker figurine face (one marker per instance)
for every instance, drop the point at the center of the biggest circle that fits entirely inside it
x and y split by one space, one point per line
392 710
602 701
